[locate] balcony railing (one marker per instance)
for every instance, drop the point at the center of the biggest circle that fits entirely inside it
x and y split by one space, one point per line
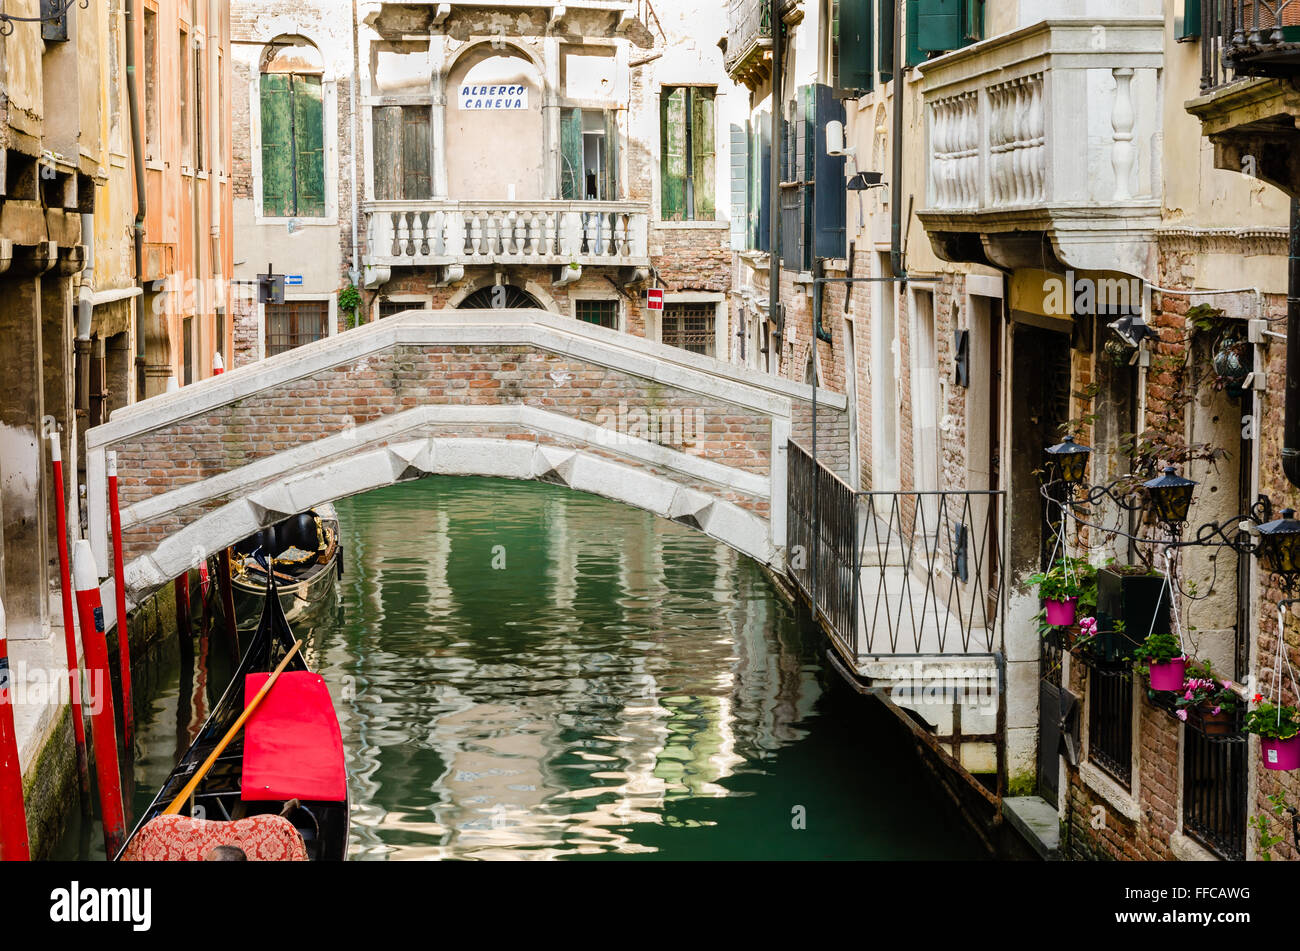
522 232
1046 129
1241 38
897 574
749 28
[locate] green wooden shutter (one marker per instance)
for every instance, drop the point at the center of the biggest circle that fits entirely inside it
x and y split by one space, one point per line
308 146
703 155
417 182
571 174
387 147
855 46
913 55
1189 25
739 159
611 155
672 147
885 55
277 146
939 25
972 23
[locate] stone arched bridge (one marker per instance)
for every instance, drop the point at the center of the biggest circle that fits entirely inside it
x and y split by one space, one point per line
521 394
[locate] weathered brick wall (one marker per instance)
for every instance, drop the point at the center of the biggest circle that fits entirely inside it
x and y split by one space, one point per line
692 259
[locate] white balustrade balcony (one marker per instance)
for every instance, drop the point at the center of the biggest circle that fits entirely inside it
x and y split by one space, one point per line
1051 130
441 232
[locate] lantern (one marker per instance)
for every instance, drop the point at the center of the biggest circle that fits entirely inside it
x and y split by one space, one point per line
1071 458
1171 496
1279 546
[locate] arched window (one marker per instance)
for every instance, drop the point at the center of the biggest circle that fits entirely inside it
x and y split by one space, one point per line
293 130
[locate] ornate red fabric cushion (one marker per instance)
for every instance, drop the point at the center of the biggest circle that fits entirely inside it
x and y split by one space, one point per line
182 839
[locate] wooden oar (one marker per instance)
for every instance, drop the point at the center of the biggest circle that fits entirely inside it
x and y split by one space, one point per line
185 793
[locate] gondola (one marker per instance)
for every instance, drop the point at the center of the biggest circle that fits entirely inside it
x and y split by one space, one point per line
278 791
308 561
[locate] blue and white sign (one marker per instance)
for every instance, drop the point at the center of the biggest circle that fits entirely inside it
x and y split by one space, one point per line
293 280
487 96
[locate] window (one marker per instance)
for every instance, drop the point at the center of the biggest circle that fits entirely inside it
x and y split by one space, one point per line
942 25
182 79
588 155
187 342
813 192
402 153
1110 721
293 146
389 307
295 323
690 327
1215 803
198 109
221 333
686 162
150 84
850 45
603 313
1188 25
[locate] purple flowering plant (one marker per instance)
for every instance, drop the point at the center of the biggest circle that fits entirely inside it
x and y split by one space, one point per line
1203 688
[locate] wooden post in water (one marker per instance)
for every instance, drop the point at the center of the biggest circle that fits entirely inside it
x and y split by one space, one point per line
226 590
119 592
183 630
108 771
69 631
13 817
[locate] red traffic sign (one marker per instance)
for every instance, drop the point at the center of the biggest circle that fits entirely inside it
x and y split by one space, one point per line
654 298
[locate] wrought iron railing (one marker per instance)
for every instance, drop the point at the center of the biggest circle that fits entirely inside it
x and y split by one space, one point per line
749 22
897 574
1110 720
1241 38
1214 790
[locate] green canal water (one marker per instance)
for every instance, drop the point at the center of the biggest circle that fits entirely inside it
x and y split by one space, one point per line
526 672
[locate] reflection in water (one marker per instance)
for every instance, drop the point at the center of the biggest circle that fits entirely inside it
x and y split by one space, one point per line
524 671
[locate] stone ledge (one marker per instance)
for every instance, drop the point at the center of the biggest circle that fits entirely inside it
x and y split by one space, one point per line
1120 799
1037 821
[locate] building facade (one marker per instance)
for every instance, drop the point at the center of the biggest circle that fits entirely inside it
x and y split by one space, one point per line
473 155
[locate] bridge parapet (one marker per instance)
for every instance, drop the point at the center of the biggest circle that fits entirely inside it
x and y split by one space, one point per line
520 394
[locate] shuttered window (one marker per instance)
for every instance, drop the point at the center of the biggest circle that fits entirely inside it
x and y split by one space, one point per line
589 155
760 182
813 188
853 46
687 165
885 53
739 187
295 323
402 153
1189 23
293 146
943 25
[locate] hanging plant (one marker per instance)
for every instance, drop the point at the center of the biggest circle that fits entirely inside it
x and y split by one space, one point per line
1232 362
1069 583
1212 699
1164 660
1278 729
349 301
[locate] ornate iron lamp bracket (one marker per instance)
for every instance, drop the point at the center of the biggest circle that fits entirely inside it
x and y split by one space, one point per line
7 20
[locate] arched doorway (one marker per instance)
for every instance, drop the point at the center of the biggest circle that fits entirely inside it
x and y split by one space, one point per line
509 296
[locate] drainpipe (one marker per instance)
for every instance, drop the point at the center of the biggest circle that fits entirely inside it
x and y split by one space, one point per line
1291 426
896 263
774 189
354 273
137 151
200 296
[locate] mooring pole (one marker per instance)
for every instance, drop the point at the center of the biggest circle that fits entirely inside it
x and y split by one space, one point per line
69 630
108 770
119 597
13 817
184 632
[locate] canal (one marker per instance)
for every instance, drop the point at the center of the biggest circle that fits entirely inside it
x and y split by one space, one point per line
523 671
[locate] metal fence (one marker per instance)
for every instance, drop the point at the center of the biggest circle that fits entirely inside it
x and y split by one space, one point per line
747 22
1233 33
1110 721
897 574
1215 804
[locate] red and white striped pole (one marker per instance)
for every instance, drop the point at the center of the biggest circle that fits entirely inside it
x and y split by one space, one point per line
13 817
119 591
69 631
104 723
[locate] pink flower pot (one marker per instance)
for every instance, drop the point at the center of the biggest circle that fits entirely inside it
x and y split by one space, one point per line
1169 676
1061 613
1281 754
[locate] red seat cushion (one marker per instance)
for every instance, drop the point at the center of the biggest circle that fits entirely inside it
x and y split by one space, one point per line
266 838
292 745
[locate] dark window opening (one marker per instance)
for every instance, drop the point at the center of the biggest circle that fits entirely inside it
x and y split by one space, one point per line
1110 722
690 327
603 313
1214 792
295 323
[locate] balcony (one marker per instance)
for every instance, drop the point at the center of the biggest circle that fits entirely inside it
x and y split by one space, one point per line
747 55
1249 107
1041 144
445 232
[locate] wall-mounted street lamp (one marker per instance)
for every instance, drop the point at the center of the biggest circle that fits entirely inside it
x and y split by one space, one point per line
1279 548
1071 460
1171 497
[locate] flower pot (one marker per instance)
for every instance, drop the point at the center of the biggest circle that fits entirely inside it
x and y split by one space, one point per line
1061 613
1169 675
1280 754
1216 724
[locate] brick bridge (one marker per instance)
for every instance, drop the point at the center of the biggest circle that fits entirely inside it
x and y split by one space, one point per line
520 394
